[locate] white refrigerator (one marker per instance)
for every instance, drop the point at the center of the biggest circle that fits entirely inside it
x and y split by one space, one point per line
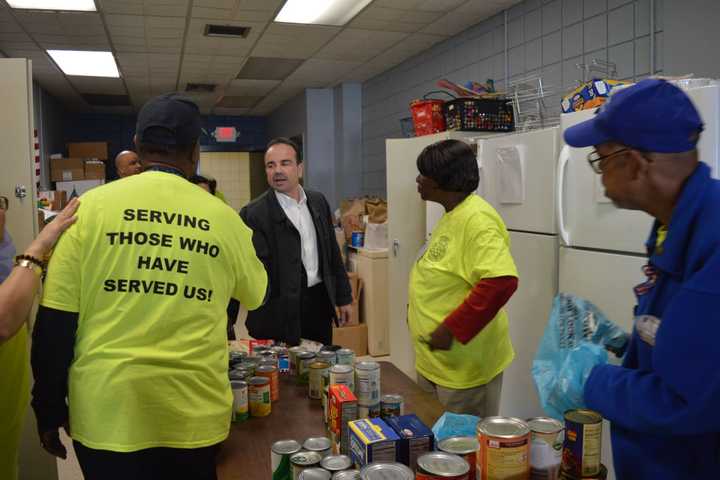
602 247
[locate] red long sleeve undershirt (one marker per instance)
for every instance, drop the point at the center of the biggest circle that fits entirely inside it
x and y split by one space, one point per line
480 307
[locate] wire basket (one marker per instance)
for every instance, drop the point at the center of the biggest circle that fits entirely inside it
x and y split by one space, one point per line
479 115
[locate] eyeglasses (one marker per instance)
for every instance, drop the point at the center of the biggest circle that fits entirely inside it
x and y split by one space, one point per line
4 203
594 159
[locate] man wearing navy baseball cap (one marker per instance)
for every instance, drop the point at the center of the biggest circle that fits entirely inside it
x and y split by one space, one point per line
130 344
664 401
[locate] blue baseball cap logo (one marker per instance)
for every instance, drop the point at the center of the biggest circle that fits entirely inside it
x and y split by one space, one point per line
652 115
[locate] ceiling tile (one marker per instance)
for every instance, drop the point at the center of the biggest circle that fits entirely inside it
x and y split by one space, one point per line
320 73
293 41
359 45
231 111
121 6
264 68
251 87
260 4
230 101
110 86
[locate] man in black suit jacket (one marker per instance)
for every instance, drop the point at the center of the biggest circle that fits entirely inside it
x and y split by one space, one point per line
294 237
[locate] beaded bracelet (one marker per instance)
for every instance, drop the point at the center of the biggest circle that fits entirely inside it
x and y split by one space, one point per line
32 259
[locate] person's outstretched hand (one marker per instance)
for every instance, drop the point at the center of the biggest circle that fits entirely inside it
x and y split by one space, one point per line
49 235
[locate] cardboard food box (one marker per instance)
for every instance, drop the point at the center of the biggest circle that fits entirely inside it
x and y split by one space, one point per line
94 170
372 440
98 150
416 438
343 409
67 169
353 337
357 286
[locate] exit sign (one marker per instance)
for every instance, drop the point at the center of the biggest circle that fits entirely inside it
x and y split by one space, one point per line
226 134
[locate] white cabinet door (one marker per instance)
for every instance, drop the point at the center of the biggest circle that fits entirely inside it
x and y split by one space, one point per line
607 280
707 101
587 218
528 310
519 178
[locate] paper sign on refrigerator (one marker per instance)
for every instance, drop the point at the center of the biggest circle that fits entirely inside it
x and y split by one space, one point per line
511 161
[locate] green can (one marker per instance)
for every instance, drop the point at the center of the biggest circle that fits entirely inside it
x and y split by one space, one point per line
280 454
304 359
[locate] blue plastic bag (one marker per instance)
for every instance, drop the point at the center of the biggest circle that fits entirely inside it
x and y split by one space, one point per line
452 424
576 339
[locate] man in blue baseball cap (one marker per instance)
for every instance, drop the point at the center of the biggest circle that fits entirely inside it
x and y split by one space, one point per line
664 401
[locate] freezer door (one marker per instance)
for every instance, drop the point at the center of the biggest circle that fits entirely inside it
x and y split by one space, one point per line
587 218
519 173
607 280
528 310
707 101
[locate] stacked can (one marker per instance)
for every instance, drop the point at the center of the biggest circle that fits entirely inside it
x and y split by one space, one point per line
292 359
241 408
314 474
271 373
367 389
302 461
304 360
318 371
345 356
442 465
545 448
504 449
392 405
259 397
464 447
336 463
283 360
280 454
327 356
383 471
321 445
582 446
347 475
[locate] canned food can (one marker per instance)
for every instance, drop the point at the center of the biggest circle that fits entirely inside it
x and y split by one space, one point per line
601 475
280 454
302 461
321 445
504 449
292 357
241 408
546 444
327 356
465 447
442 466
369 411
252 360
258 349
347 475
358 239
271 373
392 405
304 359
583 442
259 396
235 358
336 463
325 390
343 375
247 365
282 356
315 474
386 471
367 383
345 356
317 372
240 374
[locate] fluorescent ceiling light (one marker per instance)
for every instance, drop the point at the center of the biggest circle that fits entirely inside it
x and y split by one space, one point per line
320 12
85 63
66 5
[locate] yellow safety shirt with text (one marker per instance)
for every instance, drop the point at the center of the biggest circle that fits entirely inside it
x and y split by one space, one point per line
150 267
470 243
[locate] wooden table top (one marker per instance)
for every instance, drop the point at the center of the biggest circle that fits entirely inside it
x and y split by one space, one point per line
246 453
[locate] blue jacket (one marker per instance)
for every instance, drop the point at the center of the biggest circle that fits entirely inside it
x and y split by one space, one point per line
664 402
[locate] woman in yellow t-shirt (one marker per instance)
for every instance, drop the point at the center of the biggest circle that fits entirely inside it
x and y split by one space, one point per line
19 285
458 286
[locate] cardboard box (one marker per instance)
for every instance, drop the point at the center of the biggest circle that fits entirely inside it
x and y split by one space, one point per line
343 409
416 438
98 150
67 169
372 440
356 286
94 170
354 337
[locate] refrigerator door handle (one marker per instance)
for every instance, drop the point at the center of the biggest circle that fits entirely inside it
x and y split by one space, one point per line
560 183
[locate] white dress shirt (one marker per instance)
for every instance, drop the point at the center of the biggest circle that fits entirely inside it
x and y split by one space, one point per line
299 214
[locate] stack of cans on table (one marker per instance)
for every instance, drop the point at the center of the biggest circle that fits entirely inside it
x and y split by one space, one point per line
311 460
